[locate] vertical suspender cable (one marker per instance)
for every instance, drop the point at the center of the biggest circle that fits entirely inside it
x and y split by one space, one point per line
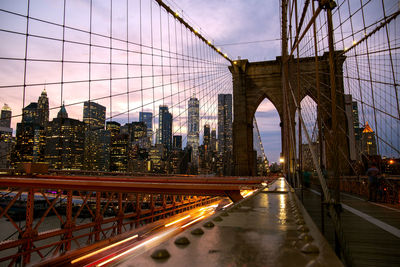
26 52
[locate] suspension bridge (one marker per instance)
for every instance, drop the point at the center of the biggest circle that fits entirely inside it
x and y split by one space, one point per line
128 137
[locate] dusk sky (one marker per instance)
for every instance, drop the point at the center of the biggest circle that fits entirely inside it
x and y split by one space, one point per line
246 29
228 24
249 30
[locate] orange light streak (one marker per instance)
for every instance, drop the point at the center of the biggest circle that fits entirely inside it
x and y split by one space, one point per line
176 221
103 249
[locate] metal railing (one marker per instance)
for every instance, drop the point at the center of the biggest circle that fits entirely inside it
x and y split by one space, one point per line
48 222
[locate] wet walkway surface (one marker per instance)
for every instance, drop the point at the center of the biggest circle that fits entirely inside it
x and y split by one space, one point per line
372 230
269 228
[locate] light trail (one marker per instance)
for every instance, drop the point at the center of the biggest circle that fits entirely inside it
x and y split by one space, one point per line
192 222
227 205
136 247
176 221
103 249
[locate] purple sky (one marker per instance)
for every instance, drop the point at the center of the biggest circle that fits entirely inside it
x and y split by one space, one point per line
245 29
231 22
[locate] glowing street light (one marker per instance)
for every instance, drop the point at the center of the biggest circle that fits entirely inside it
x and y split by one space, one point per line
282 160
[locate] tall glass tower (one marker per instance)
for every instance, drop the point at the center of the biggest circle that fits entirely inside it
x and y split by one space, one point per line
193 128
165 127
147 117
225 133
224 123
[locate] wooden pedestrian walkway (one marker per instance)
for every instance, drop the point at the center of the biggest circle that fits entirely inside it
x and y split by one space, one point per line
372 230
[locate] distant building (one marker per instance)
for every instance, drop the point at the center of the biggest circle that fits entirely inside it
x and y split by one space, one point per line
225 141
5 120
147 118
368 141
213 141
94 115
43 109
30 114
138 134
30 141
6 146
97 139
165 127
205 151
156 158
193 128
64 149
119 147
97 150
6 139
30 136
177 143
207 135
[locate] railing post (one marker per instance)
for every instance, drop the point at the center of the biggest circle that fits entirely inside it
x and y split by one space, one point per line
120 214
138 211
98 217
29 232
68 225
152 207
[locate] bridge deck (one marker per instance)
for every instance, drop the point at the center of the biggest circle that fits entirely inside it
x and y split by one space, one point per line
261 230
371 230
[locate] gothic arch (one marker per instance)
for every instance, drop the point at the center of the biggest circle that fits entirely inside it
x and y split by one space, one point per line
253 82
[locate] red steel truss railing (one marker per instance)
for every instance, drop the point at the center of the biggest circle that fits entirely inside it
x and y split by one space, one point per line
49 221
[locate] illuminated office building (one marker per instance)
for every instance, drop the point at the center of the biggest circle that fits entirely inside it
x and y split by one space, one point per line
97 139
165 127
5 120
6 139
368 141
30 136
147 118
64 149
94 115
225 141
43 109
177 143
193 129
119 147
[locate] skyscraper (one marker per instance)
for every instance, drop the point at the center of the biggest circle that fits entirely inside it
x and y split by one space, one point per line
147 117
5 116
165 127
6 140
177 144
224 123
94 115
30 113
97 139
30 140
213 142
193 128
65 138
207 135
368 141
43 109
225 131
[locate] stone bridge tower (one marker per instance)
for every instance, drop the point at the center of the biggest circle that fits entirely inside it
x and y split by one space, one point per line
253 82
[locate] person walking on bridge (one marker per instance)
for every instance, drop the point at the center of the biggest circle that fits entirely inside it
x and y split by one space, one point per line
372 174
